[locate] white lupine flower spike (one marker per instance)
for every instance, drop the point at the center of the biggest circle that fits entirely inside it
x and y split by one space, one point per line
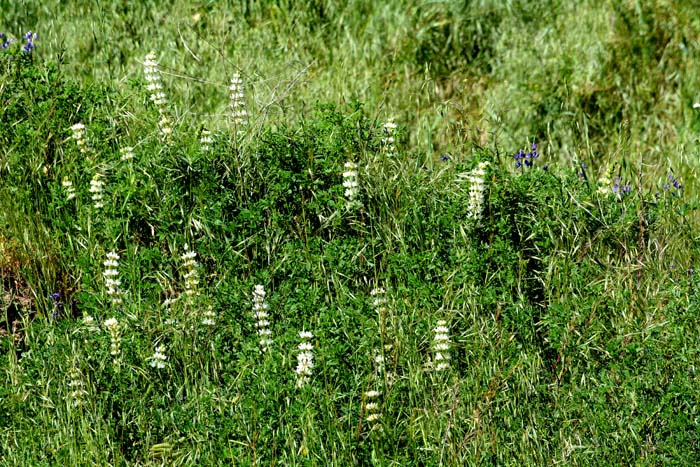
70 190
76 387
305 359
239 114
97 189
111 277
79 136
191 275
127 153
158 358
262 318
209 317
477 190
158 97
112 326
351 185
389 141
372 409
205 140
441 346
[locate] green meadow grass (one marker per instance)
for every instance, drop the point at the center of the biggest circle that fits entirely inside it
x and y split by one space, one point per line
132 308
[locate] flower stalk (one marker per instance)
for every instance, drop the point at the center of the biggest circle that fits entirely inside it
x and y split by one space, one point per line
158 97
239 114
111 276
305 359
262 318
441 346
112 326
351 185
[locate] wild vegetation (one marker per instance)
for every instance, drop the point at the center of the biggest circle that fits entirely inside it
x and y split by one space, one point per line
349 233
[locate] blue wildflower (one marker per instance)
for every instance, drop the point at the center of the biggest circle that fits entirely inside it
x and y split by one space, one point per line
674 181
56 299
57 304
526 159
518 159
619 188
30 37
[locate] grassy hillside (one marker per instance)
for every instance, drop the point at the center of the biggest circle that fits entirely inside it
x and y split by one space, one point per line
349 233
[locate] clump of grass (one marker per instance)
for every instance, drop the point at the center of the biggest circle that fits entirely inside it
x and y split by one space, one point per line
540 293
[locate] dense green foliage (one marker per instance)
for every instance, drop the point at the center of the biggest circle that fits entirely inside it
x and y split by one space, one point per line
565 277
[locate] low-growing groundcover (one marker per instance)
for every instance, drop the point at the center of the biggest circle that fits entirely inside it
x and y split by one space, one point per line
312 293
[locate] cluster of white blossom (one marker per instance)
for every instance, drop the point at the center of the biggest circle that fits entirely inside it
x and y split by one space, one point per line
112 326
155 87
351 184
237 101
477 188
97 188
111 275
127 153
191 275
205 140
79 137
372 410
305 359
70 190
389 141
158 358
76 385
262 318
441 346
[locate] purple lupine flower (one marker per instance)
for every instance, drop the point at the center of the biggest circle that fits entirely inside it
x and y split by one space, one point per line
619 188
523 159
616 185
57 304
56 299
672 182
30 37
533 154
518 159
